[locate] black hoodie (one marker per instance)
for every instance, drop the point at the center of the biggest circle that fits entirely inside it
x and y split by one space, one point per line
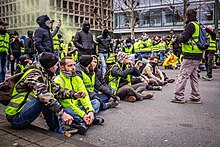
84 41
104 42
43 36
29 44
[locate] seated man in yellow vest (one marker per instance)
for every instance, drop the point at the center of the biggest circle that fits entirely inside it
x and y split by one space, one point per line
82 110
120 80
86 69
34 93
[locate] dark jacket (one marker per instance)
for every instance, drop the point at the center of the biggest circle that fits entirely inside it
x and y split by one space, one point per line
104 43
84 42
16 46
185 36
43 37
117 72
29 44
99 85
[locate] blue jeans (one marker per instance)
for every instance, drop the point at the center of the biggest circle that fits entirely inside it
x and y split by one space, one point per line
103 58
103 99
162 54
77 118
2 68
139 56
146 55
57 54
31 111
154 54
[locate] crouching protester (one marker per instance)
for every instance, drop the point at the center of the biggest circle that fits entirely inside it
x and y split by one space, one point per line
35 93
82 109
85 69
120 80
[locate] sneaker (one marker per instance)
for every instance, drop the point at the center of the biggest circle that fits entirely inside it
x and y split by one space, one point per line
207 78
147 95
130 98
170 80
194 101
81 127
98 120
159 88
180 101
68 131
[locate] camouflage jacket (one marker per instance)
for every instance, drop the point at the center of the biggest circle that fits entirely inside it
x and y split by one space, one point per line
39 82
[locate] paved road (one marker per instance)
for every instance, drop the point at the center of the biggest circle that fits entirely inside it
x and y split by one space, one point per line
158 122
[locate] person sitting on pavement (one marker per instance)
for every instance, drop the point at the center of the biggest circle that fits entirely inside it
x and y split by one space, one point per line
24 61
82 110
120 80
85 69
35 92
152 71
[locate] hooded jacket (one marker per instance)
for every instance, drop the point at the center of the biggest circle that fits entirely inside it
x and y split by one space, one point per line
43 37
29 44
104 42
99 86
84 41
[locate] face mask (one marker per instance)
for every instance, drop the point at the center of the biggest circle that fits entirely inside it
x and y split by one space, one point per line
153 64
48 24
67 73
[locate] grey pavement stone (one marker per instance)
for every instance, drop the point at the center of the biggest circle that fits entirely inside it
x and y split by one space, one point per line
66 145
49 142
36 137
9 137
2 132
22 142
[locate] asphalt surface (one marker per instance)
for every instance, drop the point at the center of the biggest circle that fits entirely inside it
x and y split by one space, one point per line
158 122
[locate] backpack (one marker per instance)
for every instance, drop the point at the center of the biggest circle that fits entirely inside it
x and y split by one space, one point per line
203 41
6 88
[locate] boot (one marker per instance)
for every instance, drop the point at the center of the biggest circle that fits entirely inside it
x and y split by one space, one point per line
98 120
146 95
82 128
130 98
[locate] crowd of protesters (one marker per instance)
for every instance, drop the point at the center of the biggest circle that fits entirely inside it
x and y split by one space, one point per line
93 75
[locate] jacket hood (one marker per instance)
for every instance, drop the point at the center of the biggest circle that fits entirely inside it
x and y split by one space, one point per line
41 21
30 33
86 26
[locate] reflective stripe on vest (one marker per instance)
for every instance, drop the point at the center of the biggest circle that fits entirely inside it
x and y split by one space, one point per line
56 43
190 46
115 81
162 46
21 67
89 84
15 105
145 46
155 48
4 43
111 59
212 46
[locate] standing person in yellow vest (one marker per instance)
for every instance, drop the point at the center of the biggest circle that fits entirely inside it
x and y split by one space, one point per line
191 59
128 48
72 50
24 61
137 49
210 52
155 46
145 44
4 49
169 42
162 48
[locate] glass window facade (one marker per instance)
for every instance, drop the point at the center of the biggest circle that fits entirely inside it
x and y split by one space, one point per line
160 13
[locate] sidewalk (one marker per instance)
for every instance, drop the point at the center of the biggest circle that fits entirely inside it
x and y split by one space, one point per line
34 137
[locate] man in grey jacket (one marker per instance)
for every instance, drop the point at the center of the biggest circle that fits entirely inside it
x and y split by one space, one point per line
84 40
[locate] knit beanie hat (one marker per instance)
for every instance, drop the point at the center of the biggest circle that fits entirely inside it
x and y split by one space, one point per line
85 60
47 59
121 56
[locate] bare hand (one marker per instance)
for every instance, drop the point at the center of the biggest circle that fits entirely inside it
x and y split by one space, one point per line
66 118
80 95
11 57
90 118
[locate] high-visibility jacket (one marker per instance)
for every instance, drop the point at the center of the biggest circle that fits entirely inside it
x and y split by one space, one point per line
155 48
190 46
129 50
56 43
19 98
212 46
136 47
115 81
145 46
111 59
74 83
21 67
4 43
162 46
89 82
